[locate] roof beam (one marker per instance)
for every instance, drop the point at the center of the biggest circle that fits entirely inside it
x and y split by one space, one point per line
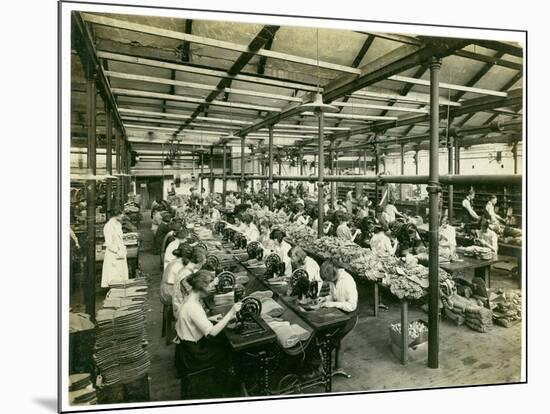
141 28
500 46
505 87
489 59
200 101
450 86
201 86
257 43
396 61
206 72
514 97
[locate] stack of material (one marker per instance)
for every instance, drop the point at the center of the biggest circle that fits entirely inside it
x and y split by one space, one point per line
508 308
80 322
120 350
467 310
81 390
479 319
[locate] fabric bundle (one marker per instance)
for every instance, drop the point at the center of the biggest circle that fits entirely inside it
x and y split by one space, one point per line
81 390
121 344
508 309
80 322
479 319
271 308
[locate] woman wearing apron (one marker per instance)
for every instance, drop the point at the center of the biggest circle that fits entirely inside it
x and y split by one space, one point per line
115 266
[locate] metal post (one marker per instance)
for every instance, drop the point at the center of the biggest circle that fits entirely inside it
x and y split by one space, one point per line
224 184
450 189
301 160
331 165
280 173
270 157
515 154
117 166
202 171
376 171
211 182
433 189
321 167
457 156
242 169
89 293
128 179
402 170
109 158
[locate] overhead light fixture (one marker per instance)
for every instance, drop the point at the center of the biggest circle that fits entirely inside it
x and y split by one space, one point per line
318 105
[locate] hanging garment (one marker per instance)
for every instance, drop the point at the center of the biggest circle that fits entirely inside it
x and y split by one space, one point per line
115 266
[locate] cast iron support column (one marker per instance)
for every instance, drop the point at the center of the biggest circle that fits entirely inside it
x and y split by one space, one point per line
211 181
321 167
118 202
450 189
331 166
457 155
242 169
89 293
433 189
402 170
280 173
202 171
109 159
224 183
376 171
515 155
270 158
128 178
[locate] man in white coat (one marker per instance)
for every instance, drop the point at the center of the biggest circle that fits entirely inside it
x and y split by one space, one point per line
115 266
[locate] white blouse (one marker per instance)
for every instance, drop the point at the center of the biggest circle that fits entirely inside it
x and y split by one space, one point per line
192 324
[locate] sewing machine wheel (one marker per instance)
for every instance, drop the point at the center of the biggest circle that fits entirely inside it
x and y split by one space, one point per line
212 263
252 249
272 261
226 282
251 307
299 282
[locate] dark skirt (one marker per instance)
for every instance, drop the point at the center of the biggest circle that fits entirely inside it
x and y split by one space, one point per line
207 352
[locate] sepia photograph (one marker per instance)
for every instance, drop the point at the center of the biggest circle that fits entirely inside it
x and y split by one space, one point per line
260 206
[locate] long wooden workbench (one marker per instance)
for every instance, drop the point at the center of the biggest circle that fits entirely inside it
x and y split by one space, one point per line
322 324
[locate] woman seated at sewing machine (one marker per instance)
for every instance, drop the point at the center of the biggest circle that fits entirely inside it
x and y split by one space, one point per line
193 258
300 260
198 345
281 248
265 231
251 232
237 225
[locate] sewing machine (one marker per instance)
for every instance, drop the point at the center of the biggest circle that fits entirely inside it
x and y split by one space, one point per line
274 266
255 250
301 286
248 317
